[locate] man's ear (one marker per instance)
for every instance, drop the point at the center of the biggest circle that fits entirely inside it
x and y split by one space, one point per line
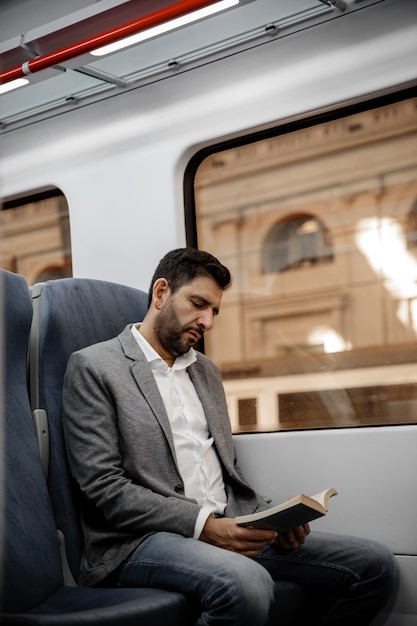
160 292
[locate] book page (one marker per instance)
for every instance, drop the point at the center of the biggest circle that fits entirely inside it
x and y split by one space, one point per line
324 496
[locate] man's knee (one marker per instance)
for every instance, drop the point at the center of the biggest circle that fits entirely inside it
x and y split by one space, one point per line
386 573
249 587
255 587
382 566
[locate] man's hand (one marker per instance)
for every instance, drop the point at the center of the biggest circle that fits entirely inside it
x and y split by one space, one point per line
292 538
225 533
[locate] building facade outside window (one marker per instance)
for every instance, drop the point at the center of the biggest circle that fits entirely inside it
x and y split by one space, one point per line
318 226
35 236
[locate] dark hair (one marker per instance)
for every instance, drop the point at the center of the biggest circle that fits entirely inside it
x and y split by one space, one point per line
182 265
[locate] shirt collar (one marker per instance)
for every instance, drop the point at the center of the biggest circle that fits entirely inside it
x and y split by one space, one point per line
156 362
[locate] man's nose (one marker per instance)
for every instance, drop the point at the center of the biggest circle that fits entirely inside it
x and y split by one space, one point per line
206 319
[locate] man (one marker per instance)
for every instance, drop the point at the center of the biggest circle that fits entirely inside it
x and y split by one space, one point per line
149 443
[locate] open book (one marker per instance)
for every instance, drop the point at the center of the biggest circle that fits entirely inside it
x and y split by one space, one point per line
294 512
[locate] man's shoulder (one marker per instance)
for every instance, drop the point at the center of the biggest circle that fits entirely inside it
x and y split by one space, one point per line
103 348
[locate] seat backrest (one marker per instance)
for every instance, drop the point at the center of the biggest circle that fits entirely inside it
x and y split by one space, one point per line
30 563
70 314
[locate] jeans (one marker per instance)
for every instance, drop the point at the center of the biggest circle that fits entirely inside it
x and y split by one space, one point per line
347 580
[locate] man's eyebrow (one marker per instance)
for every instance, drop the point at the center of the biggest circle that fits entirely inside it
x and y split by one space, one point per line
206 302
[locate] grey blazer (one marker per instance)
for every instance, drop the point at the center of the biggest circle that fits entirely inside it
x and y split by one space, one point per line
121 452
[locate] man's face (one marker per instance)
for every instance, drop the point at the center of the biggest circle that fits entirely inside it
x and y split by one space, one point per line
187 314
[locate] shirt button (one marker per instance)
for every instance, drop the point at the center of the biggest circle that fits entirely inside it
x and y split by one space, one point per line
179 489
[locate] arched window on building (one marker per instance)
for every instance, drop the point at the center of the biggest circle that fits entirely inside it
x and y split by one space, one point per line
411 227
298 240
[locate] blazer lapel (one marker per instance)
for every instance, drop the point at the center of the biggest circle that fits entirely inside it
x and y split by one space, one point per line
215 414
144 379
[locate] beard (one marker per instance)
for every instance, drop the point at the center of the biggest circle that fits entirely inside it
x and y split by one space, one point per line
168 330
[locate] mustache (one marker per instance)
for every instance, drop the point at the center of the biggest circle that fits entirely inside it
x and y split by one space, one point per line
196 329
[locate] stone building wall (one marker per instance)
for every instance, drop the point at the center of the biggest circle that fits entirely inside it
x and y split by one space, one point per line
358 177
35 239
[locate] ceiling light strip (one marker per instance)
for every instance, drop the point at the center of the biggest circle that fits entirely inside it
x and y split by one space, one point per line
157 18
165 27
13 84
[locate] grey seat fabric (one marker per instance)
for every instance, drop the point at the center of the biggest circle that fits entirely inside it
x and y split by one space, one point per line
70 314
32 588
31 561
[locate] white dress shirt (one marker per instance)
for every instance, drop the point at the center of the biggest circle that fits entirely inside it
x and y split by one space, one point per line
197 459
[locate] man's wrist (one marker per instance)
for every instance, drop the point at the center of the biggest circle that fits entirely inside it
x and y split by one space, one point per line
201 520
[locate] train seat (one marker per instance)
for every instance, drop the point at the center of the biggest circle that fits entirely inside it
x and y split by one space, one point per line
32 589
70 314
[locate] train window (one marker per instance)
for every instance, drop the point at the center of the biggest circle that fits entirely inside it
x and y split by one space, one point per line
35 236
318 225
